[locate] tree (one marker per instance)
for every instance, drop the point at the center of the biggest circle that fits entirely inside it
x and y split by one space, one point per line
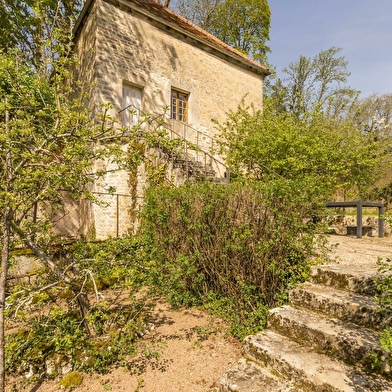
37 28
199 12
373 115
318 82
314 152
242 24
48 144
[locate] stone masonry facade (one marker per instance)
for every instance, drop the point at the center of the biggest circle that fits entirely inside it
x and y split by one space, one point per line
149 47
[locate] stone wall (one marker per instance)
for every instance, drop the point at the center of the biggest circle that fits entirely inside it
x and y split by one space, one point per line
131 49
85 50
347 224
115 216
118 45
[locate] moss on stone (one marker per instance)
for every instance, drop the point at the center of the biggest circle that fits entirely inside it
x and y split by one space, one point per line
71 381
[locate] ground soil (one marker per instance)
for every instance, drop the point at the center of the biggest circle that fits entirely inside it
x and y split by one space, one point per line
191 350
182 350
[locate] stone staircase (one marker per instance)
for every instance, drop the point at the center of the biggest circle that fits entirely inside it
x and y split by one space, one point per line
325 339
189 162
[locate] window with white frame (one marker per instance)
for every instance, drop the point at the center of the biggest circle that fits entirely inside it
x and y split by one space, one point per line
179 105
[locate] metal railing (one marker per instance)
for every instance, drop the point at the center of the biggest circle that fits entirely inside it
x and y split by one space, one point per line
196 149
114 215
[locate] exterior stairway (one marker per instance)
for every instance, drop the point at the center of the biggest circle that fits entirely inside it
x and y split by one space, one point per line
326 339
191 157
195 157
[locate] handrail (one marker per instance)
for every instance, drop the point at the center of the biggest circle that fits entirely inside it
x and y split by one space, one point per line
140 112
172 120
194 129
170 127
204 152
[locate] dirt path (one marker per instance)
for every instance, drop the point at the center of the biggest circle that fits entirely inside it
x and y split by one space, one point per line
186 350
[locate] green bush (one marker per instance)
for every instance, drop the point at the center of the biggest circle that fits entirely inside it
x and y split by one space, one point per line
60 334
54 331
244 245
384 298
114 263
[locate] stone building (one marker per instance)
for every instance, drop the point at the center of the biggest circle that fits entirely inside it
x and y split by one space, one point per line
142 56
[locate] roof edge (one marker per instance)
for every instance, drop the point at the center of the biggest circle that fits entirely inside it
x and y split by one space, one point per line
81 16
220 46
230 51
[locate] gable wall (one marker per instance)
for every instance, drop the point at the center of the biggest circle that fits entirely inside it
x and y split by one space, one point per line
74 218
115 46
130 49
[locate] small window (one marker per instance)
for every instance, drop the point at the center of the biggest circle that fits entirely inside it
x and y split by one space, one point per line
179 105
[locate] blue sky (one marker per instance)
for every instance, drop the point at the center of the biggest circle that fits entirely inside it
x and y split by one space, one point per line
362 28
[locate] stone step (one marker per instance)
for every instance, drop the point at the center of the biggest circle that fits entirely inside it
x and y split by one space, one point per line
247 376
346 341
327 339
359 309
302 368
350 278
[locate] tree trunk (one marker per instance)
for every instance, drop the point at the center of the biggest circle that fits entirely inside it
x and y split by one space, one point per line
3 284
5 248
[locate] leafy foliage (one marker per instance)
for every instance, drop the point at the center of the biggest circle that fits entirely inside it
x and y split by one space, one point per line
384 297
53 336
315 152
318 82
199 12
240 246
48 145
316 89
242 24
373 115
47 133
38 28
58 339
115 263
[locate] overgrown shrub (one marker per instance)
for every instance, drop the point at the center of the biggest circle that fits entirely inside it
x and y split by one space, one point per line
50 342
53 335
117 262
384 296
244 245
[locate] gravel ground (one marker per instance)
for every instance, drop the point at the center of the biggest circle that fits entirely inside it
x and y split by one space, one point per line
362 252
